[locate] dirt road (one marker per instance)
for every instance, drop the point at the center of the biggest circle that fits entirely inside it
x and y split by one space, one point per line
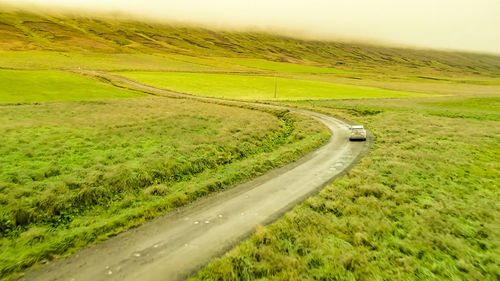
178 244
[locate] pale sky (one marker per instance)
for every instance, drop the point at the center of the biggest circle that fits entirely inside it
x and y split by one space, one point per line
472 25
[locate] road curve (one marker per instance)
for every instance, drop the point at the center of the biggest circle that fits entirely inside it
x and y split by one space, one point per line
176 245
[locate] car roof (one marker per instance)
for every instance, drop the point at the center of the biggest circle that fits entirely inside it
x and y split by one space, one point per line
357 127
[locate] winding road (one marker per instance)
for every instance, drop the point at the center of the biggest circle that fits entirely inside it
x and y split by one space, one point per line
175 246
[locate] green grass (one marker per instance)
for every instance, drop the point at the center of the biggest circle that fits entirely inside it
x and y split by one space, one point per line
491 104
422 206
75 173
258 87
283 67
110 62
459 106
37 86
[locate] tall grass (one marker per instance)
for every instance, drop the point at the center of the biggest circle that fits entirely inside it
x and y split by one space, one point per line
422 206
99 167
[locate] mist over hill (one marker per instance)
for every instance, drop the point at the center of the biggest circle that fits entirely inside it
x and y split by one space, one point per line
446 24
21 30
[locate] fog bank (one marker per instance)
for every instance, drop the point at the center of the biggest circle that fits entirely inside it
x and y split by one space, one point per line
444 24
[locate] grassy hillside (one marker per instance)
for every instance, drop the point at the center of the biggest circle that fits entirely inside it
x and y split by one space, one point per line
23 31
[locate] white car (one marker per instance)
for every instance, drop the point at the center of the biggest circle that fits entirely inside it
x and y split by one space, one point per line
358 132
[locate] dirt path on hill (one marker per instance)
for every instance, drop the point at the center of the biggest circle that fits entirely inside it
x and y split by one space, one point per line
176 245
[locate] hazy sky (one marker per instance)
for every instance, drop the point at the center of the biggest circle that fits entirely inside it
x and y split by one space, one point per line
452 24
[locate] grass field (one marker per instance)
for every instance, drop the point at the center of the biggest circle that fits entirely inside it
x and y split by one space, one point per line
486 105
81 160
424 205
111 62
36 86
74 173
258 87
283 67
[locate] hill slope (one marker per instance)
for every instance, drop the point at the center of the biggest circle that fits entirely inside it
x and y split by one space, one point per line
21 31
